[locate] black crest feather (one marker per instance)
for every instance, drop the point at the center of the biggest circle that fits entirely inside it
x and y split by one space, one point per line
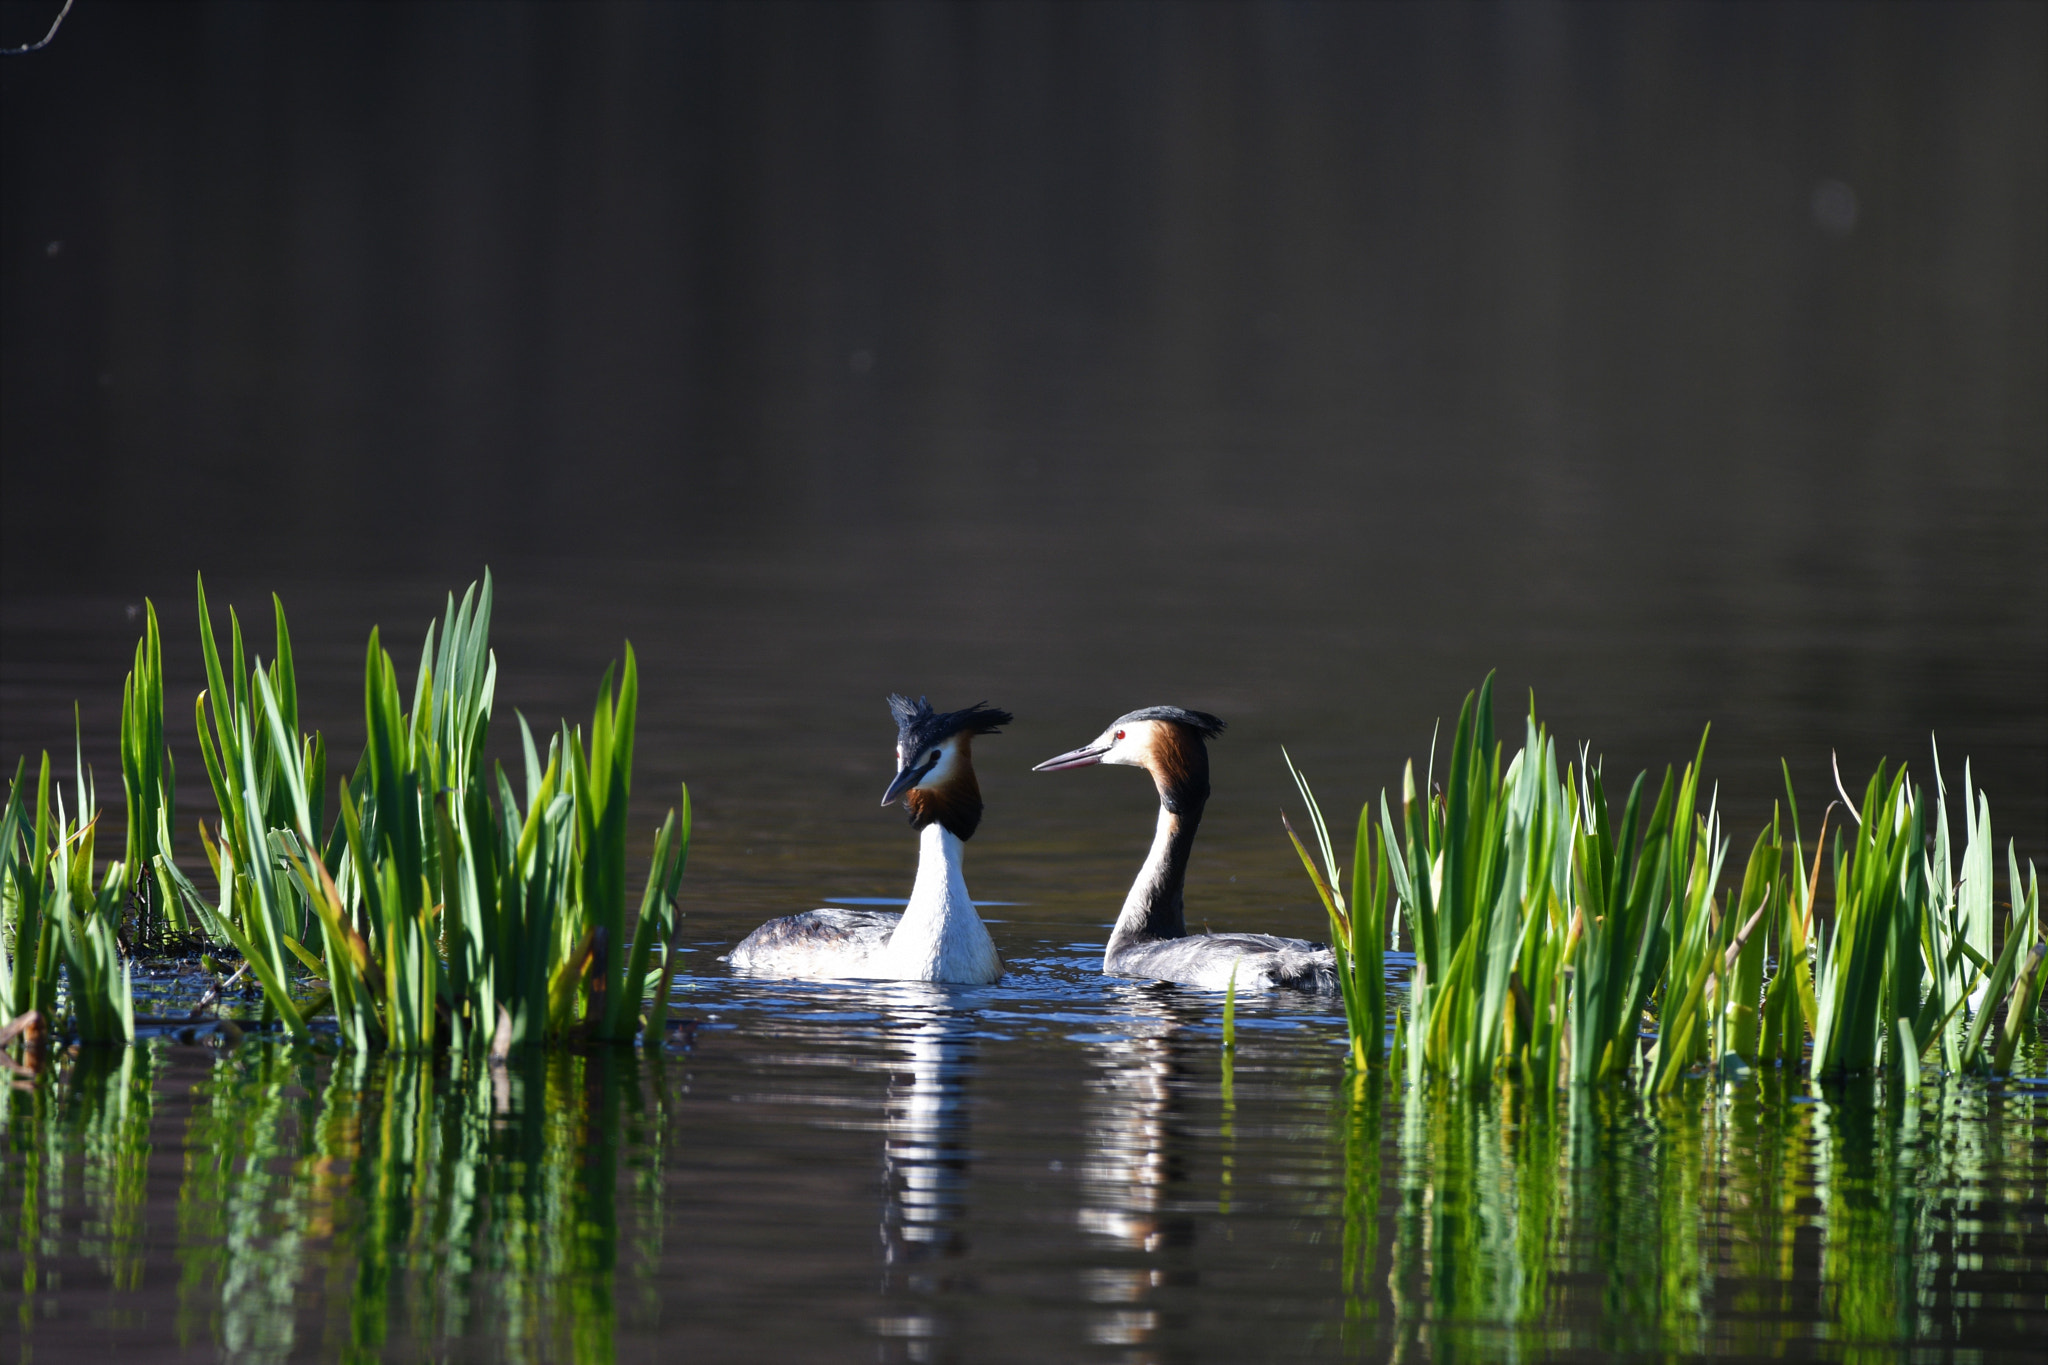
918 726
1201 722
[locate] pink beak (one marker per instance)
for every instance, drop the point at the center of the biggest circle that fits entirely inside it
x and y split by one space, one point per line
1084 757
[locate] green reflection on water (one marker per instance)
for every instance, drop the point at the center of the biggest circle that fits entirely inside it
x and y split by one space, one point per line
422 1205
1713 1222
100 1130
361 1209
1361 1120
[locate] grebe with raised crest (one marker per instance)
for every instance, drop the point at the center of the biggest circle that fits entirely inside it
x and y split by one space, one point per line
939 935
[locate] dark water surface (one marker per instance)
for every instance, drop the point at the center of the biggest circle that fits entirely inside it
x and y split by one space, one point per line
1299 363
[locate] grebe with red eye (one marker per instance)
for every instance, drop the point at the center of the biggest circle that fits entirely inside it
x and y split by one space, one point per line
939 936
1150 941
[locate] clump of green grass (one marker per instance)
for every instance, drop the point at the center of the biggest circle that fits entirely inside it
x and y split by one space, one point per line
1625 878
1903 970
1547 933
1712 1009
61 914
430 913
1960 912
1483 874
436 909
1739 984
1867 971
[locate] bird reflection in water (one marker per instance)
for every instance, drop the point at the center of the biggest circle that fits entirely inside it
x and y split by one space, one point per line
925 1166
1134 1194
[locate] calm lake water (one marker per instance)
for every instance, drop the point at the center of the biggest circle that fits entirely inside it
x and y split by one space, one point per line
1059 1167
1298 363
1055 1168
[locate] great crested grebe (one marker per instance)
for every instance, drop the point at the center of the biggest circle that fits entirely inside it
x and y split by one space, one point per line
938 937
1151 941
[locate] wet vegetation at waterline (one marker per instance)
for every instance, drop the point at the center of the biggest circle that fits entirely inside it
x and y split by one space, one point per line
1557 943
439 907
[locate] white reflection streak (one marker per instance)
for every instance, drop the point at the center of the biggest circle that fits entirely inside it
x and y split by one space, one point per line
1125 1169
1124 1178
925 1163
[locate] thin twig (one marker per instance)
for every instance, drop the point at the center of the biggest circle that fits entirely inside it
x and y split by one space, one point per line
1742 935
55 24
213 992
23 1023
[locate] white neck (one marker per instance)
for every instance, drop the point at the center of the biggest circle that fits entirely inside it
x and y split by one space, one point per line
1158 864
940 937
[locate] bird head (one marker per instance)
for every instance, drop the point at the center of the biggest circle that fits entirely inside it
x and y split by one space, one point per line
1166 741
935 762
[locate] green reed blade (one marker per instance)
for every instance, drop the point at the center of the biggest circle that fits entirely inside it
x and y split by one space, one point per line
12 865
2002 974
1369 888
671 881
604 855
1355 1022
273 718
146 776
1230 1011
263 930
1322 828
32 973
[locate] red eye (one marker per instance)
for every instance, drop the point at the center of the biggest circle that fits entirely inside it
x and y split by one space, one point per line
1119 734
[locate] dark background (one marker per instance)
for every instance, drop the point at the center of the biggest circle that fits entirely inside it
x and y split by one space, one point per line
1302 362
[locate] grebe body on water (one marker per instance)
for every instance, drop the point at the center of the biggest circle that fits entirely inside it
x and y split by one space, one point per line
939 935
1150 941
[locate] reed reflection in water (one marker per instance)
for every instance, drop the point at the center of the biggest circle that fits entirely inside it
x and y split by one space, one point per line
263 1204
1732 1221
347 1209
